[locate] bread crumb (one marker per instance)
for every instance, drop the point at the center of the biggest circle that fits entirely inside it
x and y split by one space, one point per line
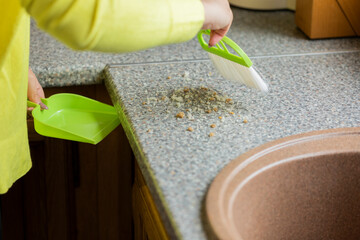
149 130
211 134
143 103
232 113
187 110
163 98
245 121
180 115
212 99
186 89
131 99
228 100
168 77
220 117
204 88
190 129
212 125
215 109
208 111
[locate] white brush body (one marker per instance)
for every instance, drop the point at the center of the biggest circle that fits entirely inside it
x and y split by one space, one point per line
238 73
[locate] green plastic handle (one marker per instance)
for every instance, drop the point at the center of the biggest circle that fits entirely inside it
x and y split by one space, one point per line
242 59
31 104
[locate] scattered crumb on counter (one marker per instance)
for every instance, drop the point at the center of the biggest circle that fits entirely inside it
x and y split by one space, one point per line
185 74
212 125
168 77
211 134
143 103
245 121
180 115
190 129
208 111
220 117
232 113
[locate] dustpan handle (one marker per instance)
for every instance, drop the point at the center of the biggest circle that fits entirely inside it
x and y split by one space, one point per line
43 105
31 104
243 59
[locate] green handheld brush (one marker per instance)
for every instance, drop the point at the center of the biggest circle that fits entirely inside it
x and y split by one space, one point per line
233 67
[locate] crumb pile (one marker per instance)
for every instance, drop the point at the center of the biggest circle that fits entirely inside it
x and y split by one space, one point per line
192 102
201 100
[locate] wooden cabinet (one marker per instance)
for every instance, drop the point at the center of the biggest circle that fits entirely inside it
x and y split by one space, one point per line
147 222
74 190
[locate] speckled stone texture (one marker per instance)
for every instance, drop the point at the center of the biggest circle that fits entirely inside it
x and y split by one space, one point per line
259 33
306 93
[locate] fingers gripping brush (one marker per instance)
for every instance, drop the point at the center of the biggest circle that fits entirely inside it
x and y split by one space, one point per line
237 68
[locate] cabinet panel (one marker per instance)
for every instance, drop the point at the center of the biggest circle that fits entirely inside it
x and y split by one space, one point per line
147 222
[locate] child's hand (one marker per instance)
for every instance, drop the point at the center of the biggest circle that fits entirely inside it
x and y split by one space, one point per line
218 18
35 91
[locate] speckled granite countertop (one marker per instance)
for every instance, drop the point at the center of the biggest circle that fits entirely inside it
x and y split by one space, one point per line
258 33
313 85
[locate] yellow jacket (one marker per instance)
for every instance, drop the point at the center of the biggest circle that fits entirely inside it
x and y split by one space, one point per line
97 25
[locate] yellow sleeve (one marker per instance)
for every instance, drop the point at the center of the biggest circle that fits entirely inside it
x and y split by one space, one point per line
117 25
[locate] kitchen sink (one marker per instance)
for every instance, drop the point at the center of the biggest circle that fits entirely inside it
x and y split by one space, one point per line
305 186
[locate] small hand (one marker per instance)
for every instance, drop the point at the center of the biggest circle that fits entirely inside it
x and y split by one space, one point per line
35 91
218 18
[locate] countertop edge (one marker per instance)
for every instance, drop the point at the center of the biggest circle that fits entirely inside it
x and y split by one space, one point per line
144 166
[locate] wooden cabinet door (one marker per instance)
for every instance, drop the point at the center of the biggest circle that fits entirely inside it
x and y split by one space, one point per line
147 222
40 205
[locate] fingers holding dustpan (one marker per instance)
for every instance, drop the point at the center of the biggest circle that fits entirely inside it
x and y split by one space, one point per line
42 104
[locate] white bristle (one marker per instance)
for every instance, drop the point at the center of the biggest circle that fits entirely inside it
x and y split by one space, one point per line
238 73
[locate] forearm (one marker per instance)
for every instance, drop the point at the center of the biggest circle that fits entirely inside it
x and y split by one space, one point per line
117 25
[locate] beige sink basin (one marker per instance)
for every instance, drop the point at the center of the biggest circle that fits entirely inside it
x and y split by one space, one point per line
305 186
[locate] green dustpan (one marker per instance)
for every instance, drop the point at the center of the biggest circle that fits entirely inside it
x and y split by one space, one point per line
74 117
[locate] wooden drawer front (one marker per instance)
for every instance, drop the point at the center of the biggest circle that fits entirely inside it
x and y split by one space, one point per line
147 222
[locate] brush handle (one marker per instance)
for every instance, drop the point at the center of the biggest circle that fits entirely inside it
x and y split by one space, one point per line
222 51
